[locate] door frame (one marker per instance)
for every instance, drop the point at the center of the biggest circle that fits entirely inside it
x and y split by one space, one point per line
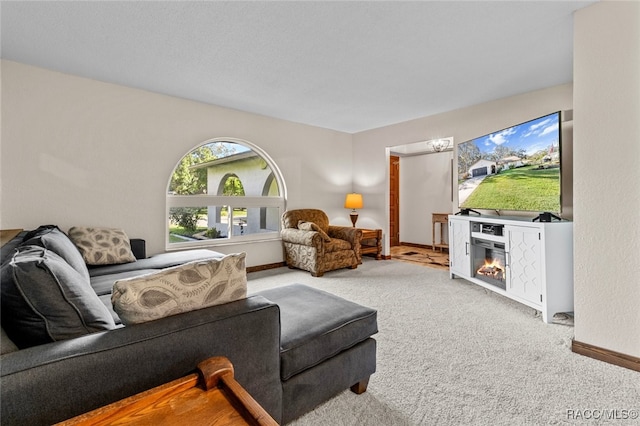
397 189
408 149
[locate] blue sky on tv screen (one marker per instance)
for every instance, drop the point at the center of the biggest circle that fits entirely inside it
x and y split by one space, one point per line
532 136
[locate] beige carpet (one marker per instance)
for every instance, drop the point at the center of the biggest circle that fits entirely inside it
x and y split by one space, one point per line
421 256
452 353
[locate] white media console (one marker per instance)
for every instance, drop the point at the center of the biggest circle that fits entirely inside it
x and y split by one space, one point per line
529 262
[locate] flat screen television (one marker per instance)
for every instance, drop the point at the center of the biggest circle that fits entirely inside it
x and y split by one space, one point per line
514 169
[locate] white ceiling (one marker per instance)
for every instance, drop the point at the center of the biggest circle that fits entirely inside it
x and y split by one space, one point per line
349 66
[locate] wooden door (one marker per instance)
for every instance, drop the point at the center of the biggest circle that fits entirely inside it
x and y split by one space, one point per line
394 201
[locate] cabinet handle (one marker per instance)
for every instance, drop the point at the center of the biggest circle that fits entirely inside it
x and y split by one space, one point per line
466 249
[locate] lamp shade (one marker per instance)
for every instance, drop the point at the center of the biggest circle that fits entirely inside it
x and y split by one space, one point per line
353 201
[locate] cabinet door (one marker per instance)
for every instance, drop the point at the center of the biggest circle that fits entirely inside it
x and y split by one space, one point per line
459 247
524 268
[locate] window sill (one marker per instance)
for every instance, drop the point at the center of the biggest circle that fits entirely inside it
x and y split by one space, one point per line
222 242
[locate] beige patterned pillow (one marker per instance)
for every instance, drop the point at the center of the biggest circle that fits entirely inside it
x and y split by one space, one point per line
183 288
310 226
102 246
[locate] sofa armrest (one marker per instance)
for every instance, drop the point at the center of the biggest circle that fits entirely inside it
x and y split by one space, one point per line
138 247
53 382
298 236
348 233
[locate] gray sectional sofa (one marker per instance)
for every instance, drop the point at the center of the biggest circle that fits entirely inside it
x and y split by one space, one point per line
292 347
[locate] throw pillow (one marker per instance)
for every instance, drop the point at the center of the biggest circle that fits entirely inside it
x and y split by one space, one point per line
179 289
310 226
52 238
44 300
102 246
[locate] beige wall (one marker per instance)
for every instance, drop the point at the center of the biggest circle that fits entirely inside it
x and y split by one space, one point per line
81 152
607 176
370 163
420 201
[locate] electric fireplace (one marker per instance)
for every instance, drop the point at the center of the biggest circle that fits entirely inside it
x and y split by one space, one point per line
489 263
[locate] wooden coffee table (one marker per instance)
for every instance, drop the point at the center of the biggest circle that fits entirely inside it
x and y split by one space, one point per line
210 397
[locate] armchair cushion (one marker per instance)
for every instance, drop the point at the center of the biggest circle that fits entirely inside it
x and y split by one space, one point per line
310 226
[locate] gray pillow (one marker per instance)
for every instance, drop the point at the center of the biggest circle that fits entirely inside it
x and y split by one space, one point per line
52 238
47 300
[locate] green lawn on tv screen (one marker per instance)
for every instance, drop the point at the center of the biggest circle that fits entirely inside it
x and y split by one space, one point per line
525 188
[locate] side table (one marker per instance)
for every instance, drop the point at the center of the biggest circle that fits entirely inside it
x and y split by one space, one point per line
443 220
368 245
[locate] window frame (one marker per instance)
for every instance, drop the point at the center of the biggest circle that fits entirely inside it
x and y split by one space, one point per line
203 200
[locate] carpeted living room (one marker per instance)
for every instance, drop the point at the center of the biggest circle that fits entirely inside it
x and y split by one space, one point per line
450 352
194 128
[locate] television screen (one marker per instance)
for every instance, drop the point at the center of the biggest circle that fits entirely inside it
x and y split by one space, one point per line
513 169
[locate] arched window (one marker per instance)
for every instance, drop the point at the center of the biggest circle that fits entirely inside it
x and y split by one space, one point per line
223 191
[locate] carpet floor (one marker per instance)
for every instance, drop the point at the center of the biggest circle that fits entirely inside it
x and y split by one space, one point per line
453 353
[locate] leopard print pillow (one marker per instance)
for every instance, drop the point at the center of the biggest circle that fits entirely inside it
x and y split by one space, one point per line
102 246
183 288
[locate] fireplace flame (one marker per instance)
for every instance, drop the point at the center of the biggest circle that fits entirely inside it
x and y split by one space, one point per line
492 268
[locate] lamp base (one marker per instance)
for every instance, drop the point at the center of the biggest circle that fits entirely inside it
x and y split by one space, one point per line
354 218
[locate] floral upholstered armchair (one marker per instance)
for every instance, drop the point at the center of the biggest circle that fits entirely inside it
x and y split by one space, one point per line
310 243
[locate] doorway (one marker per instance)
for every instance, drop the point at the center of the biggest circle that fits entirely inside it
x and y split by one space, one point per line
419 185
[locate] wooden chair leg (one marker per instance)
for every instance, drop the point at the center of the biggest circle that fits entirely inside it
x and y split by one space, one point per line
360 387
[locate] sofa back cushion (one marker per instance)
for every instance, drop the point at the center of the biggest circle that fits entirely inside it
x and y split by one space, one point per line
44 299
102 246
52 238
183 288
290 218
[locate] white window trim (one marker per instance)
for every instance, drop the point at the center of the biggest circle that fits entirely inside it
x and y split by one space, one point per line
202 200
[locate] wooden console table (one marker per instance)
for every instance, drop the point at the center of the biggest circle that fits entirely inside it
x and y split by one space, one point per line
209 397
443 220
369 235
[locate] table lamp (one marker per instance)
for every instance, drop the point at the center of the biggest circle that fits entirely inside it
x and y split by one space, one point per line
353 202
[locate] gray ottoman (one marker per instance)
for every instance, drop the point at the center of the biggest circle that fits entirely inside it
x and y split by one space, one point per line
325 346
